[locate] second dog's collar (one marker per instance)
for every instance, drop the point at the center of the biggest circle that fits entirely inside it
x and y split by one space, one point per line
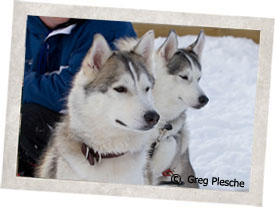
94 157
162 132
167 127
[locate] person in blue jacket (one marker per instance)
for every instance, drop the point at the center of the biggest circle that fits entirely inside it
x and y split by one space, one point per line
55 48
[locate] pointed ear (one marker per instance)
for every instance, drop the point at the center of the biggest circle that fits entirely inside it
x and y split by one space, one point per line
98 54
198 45
145 47
170 46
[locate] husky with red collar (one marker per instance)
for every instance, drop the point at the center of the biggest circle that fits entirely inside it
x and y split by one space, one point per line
106 133
178 72
177 88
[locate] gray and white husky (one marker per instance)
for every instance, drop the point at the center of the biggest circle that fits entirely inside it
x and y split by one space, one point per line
178 72
110 115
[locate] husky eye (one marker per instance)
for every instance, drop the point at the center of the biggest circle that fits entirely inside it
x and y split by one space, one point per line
184 77
121 89
199 79
147 89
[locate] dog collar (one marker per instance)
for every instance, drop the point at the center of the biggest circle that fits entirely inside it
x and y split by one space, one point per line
168 127
94 157
162 131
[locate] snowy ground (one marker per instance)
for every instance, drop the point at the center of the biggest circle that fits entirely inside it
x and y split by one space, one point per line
221 134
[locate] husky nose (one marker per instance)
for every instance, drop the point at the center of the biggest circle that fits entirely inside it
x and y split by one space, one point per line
203 100
151 118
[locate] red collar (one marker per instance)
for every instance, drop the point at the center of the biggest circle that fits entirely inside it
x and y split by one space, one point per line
93 156
167 172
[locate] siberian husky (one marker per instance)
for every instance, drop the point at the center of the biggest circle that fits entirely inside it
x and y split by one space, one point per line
178 72
110 115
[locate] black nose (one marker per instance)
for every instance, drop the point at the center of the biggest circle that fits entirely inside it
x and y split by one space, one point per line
203 100
151 118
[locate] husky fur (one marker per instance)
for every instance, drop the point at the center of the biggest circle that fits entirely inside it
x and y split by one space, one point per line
177 71
110 96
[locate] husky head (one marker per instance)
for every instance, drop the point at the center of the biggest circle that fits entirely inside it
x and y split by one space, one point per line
112 91
179 75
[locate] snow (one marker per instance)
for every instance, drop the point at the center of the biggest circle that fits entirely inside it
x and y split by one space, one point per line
221 133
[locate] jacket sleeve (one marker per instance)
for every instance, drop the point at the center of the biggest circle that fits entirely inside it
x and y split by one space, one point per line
50 90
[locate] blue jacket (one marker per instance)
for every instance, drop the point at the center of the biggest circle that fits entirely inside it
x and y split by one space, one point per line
52 58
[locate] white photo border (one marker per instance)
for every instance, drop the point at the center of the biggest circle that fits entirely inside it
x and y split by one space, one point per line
23 9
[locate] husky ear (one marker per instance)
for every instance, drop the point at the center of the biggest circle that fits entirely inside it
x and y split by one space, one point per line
145 47
170 46
97 54
198 45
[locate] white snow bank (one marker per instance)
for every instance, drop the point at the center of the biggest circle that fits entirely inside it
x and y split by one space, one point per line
221 134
